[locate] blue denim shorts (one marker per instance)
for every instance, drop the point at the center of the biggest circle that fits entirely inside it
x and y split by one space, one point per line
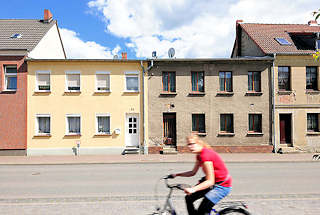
217 193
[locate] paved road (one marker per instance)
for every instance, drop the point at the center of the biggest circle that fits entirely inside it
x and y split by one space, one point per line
269 188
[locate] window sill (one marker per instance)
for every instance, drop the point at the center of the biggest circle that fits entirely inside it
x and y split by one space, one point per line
200 134
127 91
226 134
72 92
251 93
103 135
254 134
284 92
101 91
313 133
42 91
225 93
197 93
42 135
8 91
72 135
168 94
312 92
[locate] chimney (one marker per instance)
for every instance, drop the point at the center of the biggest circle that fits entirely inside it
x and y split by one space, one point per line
239 21
47 17
124 55
312 23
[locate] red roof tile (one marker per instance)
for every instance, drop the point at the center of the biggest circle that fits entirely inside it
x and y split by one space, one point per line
264 36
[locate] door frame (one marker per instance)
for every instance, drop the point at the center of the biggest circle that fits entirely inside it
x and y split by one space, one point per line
175 136
125 128
291 128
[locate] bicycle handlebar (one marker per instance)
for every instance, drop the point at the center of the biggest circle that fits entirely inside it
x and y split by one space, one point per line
174 186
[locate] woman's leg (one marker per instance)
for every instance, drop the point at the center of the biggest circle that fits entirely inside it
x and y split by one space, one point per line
192 198
205 207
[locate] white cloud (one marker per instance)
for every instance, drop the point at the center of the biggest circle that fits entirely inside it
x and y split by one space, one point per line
76 48
202 28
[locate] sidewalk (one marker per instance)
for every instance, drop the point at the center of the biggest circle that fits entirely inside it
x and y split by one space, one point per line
151 158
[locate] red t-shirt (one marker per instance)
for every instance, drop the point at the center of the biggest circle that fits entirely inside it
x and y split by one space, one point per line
221 172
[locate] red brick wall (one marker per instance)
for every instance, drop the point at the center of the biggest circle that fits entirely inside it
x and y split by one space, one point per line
13 106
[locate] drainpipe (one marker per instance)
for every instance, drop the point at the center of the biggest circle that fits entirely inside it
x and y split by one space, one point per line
145 147
273 107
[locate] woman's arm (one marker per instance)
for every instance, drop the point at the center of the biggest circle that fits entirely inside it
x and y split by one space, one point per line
208 170
189 173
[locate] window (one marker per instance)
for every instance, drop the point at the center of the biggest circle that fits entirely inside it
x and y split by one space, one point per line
102 81
282 41
254 81
317 45
43 124
197 81
10 73
73 81
198 123
255 123
225 81
43 81
284 78
169 81
312 79
313 122
132 81
103 124
73 124
226 123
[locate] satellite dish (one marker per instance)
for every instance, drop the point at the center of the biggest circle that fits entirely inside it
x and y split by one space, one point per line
171 52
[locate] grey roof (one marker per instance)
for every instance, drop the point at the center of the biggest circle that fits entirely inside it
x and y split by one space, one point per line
32 32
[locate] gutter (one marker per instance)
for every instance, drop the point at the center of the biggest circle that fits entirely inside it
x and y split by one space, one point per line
273 107
145 146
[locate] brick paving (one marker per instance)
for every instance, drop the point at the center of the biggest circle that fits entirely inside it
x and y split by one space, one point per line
154 158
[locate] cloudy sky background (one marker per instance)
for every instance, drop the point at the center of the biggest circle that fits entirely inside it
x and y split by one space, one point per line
194 28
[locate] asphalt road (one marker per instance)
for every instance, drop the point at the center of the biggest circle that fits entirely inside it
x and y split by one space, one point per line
130 188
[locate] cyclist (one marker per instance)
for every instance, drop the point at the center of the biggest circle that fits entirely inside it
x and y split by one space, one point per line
214 186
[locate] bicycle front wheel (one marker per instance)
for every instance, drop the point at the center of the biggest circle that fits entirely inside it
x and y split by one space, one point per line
234 211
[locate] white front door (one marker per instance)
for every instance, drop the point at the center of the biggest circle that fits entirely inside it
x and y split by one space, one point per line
132 130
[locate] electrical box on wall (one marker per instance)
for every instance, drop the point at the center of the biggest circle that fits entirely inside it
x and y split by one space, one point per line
117 131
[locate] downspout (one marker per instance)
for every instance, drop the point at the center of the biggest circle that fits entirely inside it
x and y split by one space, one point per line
273 106
145 145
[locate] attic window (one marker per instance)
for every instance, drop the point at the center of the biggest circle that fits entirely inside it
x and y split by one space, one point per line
282 41
16 36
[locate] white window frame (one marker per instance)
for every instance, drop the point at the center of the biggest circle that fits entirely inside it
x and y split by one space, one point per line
131 73
10 75
37 83
67 124
96 81
102 115
66 80
37 125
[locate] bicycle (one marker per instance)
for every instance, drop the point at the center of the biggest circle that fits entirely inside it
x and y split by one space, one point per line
225 208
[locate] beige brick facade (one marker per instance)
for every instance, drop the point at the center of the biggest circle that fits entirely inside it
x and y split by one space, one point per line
239 102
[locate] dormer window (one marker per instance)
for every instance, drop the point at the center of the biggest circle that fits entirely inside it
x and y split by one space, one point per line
282 41
16 36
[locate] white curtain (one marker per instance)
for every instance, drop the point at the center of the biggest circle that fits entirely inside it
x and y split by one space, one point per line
74 80
103 82
44 125
74 124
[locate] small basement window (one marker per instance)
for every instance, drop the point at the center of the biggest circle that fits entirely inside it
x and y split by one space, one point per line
16 36
282 41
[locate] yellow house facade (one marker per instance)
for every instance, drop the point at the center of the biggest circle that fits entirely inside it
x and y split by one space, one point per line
297 103
86 107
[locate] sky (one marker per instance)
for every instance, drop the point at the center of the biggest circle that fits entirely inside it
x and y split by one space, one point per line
100 29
